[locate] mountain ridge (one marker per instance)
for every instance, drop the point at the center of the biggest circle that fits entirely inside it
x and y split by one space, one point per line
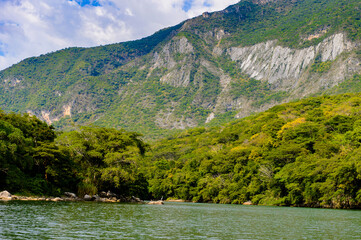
205 70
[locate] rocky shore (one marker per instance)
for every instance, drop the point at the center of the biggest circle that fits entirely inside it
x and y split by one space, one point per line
72 197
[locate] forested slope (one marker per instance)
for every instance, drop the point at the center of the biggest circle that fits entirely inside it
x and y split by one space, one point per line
304 153
36 160
209 69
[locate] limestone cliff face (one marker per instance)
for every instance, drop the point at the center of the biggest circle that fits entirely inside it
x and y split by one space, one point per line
285 67
176 57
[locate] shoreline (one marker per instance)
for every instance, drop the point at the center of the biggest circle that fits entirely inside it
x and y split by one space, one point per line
70 197
6 196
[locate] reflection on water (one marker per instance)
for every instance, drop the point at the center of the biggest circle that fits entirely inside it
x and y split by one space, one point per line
87 220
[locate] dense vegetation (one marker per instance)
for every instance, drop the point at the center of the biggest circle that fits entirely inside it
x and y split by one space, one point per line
20 164
111 85
88 79
304 153
290 22
85 161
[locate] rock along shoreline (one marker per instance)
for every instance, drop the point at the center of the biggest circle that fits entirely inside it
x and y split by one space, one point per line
72 197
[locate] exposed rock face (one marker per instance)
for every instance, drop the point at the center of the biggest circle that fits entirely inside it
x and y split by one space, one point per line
46 117
67 110
210 117
175 56
284 66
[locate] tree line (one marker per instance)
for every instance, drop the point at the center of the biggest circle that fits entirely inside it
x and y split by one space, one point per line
304 153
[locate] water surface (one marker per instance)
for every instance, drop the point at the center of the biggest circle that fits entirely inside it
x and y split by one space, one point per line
89 220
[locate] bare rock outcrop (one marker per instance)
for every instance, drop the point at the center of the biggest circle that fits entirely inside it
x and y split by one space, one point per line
284 66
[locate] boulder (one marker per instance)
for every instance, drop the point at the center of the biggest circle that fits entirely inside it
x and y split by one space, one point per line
70 195
159 202
103 194
57 199
96 198
111 195
247 203
134 200
5 195
87 197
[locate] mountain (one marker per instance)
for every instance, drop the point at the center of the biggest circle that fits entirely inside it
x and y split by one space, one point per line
206 70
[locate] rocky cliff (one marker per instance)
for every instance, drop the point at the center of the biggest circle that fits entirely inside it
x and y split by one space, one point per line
286 67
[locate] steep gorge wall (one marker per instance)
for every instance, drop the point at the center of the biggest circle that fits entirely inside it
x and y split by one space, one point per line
285 67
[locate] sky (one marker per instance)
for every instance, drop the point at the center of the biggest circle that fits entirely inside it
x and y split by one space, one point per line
34 27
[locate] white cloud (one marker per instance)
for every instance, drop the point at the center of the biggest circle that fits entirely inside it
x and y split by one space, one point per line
200 6
129 12
33 27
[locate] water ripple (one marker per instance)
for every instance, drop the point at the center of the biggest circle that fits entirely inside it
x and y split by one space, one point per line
69 220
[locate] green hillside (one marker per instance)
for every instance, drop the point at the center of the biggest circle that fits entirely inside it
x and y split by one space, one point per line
288 21
304 153
42 80
176 79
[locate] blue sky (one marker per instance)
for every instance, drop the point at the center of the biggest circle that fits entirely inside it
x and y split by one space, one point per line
83 3
33 27
187 5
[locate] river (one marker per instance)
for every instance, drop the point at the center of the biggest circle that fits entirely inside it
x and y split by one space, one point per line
89 220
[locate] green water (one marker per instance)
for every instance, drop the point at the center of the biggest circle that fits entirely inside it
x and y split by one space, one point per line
67 220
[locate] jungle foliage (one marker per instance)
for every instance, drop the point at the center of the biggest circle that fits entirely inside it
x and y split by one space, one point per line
290 22
86 161
304 153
